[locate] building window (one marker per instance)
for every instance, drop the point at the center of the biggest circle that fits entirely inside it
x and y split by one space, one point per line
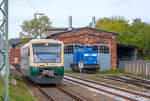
104 49
68 49
76 46
99 49
95 48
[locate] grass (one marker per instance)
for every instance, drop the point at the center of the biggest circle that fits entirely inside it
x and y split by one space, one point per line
110 72
70 72
17 92
106 73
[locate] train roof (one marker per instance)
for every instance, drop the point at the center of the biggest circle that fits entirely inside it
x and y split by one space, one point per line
40 40
48 40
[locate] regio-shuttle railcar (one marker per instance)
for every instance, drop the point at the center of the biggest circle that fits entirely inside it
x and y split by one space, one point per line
42 61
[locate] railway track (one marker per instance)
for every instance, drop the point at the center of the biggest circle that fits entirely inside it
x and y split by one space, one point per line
47 95
140 80
69 94
130 80
44 93
65 91
35 85
78 98
110 89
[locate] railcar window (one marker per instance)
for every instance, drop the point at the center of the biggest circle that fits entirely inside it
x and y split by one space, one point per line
28 52
80 49
76 46
89 48
47 53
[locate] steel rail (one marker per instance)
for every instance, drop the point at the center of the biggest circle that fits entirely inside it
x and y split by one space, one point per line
129 82
35 85
106 85
40 89
139 80
132 79
78 98
108 92
134 82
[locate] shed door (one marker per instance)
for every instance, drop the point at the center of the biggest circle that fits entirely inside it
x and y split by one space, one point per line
104 57
68 56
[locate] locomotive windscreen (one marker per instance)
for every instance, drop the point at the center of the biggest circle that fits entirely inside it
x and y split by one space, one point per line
47 52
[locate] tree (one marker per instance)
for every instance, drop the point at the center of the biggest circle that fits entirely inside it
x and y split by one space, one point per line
28 28
115 24
141 35
136 33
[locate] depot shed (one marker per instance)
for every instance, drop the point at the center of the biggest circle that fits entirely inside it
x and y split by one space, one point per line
126 53
104 42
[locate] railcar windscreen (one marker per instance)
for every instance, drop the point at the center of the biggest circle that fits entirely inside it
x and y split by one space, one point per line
46 52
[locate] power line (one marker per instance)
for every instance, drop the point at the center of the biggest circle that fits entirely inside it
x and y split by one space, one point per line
23 18
28 1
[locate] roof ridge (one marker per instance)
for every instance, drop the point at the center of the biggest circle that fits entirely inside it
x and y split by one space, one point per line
82 28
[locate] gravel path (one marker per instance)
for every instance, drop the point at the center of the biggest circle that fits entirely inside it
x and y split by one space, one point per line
86 93
139 98
57 94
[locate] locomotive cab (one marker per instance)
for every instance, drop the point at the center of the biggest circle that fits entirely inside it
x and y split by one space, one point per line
88 57
45 61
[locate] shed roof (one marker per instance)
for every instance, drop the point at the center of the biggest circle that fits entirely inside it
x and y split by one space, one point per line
58 28
15 41
75 29
126 46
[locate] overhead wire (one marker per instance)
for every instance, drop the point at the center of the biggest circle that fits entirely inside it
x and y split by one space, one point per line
28 1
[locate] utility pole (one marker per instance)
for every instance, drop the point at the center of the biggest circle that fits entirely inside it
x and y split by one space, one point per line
4 33
35 23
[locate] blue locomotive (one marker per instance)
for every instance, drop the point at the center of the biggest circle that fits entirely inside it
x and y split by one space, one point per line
87 57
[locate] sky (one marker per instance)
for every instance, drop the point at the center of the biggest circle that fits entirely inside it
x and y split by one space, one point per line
80 10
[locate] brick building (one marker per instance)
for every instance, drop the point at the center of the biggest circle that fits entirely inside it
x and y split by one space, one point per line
50 31
104 42
14 50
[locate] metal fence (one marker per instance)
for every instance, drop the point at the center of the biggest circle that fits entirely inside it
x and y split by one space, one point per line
2 70
140 67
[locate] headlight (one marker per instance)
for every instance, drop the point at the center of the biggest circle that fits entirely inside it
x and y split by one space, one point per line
58 60
86 54
94 54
